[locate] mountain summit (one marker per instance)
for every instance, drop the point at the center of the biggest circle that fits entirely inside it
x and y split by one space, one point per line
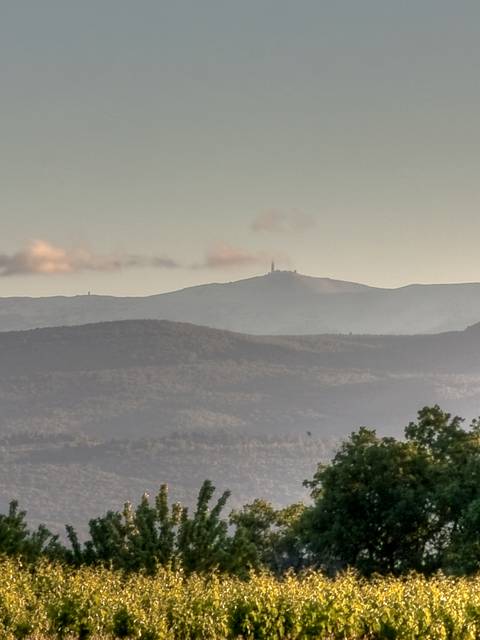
281 302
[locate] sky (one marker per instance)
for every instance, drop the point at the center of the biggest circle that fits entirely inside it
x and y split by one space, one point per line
148 146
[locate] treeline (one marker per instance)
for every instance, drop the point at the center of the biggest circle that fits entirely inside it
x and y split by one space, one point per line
381 505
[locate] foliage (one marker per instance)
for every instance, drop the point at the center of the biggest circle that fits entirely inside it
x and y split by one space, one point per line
392 506
266 537
381 506
17 539
52 601
203 539
153 535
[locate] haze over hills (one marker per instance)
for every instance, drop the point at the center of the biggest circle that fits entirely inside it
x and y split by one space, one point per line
95 414
279 303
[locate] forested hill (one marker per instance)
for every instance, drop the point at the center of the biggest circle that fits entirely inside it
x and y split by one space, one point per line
155 376
95 414
283 302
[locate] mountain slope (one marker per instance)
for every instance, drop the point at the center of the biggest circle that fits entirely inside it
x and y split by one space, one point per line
278 303
166 375
96 414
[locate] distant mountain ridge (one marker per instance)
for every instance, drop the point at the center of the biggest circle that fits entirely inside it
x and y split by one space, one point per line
279 303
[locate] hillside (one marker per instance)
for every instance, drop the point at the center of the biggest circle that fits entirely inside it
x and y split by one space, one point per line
95 414
279 303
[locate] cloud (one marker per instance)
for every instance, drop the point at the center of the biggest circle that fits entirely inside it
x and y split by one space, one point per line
275 221
42 257
225 256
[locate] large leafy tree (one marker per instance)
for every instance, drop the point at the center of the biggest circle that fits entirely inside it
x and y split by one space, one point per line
370 507
453 453
390 506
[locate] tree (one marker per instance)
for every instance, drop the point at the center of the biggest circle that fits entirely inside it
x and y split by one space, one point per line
153 535
266 538
390 506
454 456
371 507
107 544
151 532
134 539
203 542
17 540
252 544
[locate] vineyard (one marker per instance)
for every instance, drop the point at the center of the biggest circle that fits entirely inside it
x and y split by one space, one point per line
50 601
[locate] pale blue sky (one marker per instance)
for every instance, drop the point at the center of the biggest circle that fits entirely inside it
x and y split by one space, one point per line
136 130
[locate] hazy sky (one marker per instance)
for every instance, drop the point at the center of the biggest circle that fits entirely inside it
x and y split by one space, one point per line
150 145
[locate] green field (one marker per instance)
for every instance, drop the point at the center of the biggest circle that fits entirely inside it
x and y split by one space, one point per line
50 601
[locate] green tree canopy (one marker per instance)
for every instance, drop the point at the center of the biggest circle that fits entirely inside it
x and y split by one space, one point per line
16 539
389 506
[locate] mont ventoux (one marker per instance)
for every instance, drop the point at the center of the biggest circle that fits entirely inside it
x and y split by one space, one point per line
97 413
281 302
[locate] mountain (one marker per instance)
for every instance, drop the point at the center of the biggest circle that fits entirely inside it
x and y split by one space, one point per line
97 414
282 302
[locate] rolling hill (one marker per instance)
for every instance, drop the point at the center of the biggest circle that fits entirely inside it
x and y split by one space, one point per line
95 414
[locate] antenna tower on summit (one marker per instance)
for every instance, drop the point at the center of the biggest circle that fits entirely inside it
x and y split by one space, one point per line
273 267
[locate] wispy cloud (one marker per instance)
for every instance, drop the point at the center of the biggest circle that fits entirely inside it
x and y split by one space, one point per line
226 256
276 221
42 257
